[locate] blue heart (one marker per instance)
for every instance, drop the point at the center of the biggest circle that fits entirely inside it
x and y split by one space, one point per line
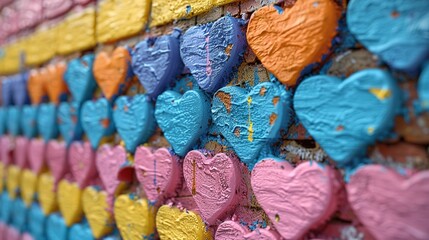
37 221
250 120
56 227
6 208
97 120
19 217
79 78
345 117
47 121
69 121
211 51
423 88
7 91
13 120
3 120
80 231
134 120
396 30
156 62
19 87
29 120
183 119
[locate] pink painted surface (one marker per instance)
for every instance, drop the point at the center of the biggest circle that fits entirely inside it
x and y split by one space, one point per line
55 8
108 161
230 230
30 13
56 155
81 159
20 154
12 234
36 154
6 151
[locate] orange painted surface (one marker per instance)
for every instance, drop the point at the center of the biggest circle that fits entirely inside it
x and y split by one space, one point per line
55 84
36 86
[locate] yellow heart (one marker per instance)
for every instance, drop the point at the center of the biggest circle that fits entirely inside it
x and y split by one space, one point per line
47 194
28 186
97 212
174 224
134 218
2 176
69 202
13 178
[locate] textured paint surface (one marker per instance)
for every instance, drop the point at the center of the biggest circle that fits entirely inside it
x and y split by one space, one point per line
28 186
19 88
20 153
55 8
36 87
6 207
37 224
13 178
36 155
46 194
80 231
345 117
30 13
69 202
182 118
374 189
19 216
423 88
109 160
55 84
29 121
134 120
230 230
250 120
2 179
7 148
13 120
211 51
56 156
80 79
47 123
156 62
81 158
287 40
310 190
95 207
396 30
55 227
3 120
42 48
6 91
134 217
69 123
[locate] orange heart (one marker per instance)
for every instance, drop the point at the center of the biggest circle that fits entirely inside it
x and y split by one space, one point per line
36 86
55 84
111 72
287 40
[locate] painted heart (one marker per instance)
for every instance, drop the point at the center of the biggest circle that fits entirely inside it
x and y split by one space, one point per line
156 62
109 160
69 202
28 186
69 122
172 223
81 159
134 120
213 181
80 79
212 51
230 230
6 207
20 153
97 120
113 73
6 90
393 30
19 88
422 88
7 147
249 120
96 209
56 227
333 113
287 40
56 156
47 194
375 189
56 86
36 86
36 154
19 217
47 121
13 120
134 217
12 180
37 224
310 190
182 118
12 233
158 171
29 121
80 231
55 8
3 120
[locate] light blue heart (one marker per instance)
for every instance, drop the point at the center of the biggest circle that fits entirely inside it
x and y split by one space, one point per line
134 120
345 117
396 30
97 120
423 88
19 217
183 119
56 227
29 120
80 79
3 120
80 231
69 122
47 123
13 120
37 222
251 120
6 208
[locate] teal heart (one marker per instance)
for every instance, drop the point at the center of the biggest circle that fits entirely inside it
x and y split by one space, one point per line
183 119
47 121
56 227
134 120
69 122
19 217
29 120
345 117
97 120
250 120
13 120
80 231
6 208
3 120
80 79
36 224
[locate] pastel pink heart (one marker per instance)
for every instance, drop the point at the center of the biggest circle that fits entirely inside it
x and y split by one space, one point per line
391 206
213 181
295 200
6 151
108 161
56 156
20 154
36 155
158 171
230 230
81 159
12 233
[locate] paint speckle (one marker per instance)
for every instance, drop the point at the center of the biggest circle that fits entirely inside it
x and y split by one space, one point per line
262 91
275 100
225 98
273 118
381 94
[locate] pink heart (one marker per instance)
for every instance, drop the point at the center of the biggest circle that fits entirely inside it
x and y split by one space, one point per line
55 8
81 159
56 155
391 206
6 150
12 233
21 145
108 161
213 181
158 171
230 230
36 154
295 200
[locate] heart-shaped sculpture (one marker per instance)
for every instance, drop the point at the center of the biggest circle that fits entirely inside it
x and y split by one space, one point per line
69 121
113 73
56 156
109 160
182 118
230 230
7 147
3 120
287 40
134 217
172 223
69 202
56 227
212 51
47 121
19 217
47 194
422 88
13 120
29 120
28 186
393 30
332 111
19 87
6 90
55 84
36 154
20 153
134 120
295 200
402 200
158 171
80 79
6 207
96 117
36 86
156 62
214 181
81 158
80 231
13 178
55 8
250 120
96 209
37 225
12 233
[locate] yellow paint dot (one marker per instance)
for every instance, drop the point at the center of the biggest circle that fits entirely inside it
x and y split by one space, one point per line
251 131
381 94
370 130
